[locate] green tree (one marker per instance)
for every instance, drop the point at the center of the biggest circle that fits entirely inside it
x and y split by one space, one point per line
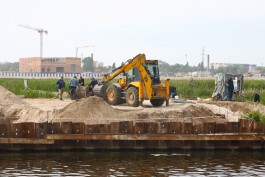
8 66
88 64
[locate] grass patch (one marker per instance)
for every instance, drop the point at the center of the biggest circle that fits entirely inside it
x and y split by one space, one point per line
257 116
186 88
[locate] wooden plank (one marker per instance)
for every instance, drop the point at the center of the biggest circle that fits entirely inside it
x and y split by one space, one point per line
186 128
209 127
78 127
66 127
5 130
198 128
232 127
41 129
114 127
174 127
186 137
16 130
54 128
126 127
244 126
151 127
25 141
162 127
220 128
140 128
92 128
104 128
28 130
257 127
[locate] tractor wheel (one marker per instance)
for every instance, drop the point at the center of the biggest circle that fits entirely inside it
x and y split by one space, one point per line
157 102
113 95
132 97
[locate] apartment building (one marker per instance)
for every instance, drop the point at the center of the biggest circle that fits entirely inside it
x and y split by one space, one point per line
50 65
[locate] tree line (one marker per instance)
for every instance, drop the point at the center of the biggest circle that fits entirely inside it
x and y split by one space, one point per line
165 68
9 67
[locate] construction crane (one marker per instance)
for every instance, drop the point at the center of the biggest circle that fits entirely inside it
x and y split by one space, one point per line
39 30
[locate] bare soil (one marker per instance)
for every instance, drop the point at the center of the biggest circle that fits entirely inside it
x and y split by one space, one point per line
242 107
94 110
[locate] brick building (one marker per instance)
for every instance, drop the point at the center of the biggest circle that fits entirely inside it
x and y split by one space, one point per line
50 65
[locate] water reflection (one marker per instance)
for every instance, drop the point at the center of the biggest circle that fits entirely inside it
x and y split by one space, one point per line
224 163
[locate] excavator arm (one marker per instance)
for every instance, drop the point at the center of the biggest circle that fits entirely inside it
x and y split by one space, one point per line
136 62
128 65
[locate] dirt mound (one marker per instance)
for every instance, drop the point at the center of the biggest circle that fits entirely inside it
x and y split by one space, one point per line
89 110
190 111
8 97
31 114
243 107
197 111
10 103
91 107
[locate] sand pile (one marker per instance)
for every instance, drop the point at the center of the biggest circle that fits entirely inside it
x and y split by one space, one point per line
190 111
15 109
10 103
197 111
91 107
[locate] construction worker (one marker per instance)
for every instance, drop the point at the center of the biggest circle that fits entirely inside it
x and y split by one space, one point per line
73 84
92 84
61 85
256 97
81 81
230 89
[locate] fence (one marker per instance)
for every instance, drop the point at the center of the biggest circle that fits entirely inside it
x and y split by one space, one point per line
49 75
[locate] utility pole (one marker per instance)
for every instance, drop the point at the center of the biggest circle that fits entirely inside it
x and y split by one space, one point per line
203 58
39 30
208 64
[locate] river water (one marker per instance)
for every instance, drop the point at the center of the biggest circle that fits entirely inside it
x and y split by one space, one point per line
127 163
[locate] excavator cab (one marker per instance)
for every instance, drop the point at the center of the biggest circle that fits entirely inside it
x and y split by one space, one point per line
151 67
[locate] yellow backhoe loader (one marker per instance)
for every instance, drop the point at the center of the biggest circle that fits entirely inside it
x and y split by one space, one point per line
141 81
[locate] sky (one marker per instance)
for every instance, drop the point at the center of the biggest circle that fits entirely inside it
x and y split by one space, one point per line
174 31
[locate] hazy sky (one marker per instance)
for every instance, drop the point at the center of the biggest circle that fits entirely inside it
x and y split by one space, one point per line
229 30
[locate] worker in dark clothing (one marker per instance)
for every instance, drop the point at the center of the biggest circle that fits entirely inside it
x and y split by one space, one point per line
92 84
230 89
173 91
81 81
256 97
61 86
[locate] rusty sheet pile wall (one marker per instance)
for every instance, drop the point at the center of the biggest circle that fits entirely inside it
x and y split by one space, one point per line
132 135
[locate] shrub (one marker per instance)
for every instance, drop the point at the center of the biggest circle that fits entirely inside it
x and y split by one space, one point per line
257 116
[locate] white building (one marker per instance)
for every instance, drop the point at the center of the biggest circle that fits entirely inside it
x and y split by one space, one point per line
251 67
